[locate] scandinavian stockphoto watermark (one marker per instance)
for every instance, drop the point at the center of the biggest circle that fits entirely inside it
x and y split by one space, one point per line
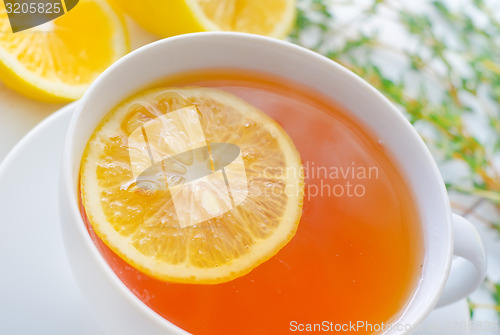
348 180
206 180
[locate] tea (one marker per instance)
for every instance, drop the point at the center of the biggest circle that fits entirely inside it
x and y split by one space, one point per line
358 250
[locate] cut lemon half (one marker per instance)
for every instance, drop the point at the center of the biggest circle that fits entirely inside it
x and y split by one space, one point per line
173 17
58 60
236 210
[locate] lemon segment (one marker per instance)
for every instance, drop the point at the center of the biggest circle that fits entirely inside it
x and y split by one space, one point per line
272 18
253 204
58 60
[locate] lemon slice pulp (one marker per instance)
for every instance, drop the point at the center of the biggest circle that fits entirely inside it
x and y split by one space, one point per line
238 208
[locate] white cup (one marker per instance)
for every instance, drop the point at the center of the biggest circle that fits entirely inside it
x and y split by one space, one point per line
445 235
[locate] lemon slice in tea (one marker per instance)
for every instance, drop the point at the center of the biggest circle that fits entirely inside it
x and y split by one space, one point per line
192 185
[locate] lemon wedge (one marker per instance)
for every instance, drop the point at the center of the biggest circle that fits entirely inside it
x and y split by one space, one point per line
58 60
272 18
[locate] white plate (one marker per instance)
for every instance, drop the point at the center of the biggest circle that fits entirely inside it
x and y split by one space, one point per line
38 294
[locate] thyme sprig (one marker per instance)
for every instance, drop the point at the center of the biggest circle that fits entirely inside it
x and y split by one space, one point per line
441 68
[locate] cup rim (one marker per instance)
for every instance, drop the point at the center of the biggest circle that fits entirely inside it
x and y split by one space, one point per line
68 188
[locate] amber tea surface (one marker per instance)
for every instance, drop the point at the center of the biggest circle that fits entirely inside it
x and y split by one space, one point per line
358 249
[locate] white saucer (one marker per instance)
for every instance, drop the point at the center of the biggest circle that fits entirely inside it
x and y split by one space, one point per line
38 294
